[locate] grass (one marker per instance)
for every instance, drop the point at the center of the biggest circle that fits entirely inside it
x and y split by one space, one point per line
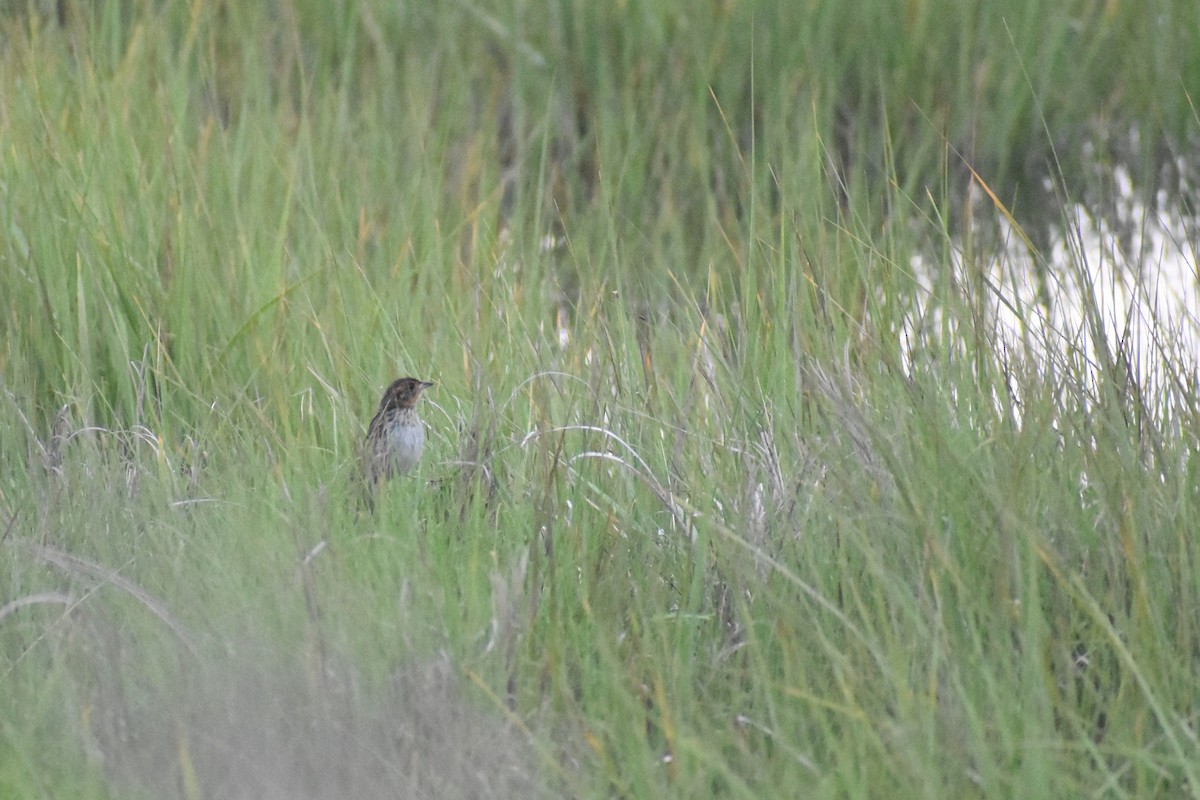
740 487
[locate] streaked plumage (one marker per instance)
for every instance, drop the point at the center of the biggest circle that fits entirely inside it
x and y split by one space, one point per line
396 436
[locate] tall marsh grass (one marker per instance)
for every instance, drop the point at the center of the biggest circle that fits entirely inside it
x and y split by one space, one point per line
748 474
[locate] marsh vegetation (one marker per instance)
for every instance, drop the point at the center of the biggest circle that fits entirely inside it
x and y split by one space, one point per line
784 439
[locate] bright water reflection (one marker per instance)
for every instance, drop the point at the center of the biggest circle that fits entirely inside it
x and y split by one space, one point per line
1133 292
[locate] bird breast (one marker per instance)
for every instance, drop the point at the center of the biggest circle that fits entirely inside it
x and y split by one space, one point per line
404 446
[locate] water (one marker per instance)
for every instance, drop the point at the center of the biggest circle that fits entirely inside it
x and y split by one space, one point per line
1122 288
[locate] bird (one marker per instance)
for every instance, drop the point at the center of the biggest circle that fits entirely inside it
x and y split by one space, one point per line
396 435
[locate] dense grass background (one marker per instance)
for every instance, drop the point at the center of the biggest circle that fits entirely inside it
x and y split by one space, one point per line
737 484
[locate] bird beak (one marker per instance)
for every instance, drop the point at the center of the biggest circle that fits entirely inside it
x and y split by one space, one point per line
425 385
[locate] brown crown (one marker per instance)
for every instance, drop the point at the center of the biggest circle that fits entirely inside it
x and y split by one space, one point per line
403 393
